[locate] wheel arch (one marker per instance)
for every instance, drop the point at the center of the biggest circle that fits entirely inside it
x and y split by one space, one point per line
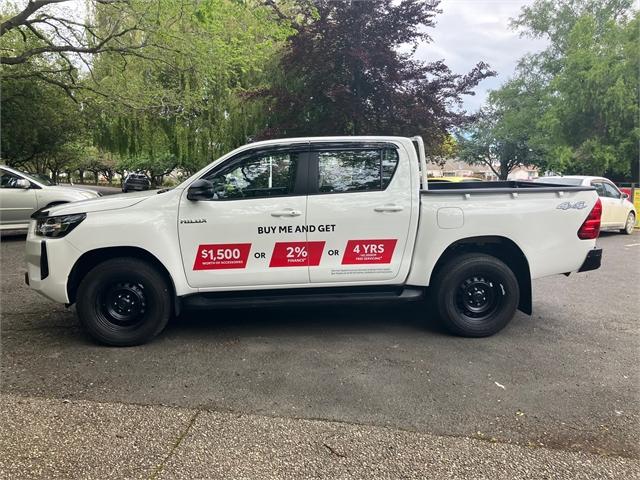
502 248
90 259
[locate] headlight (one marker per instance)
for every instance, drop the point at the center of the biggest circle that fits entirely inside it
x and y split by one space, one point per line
59 226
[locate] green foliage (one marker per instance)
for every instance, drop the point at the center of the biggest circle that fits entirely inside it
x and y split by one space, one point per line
583 89
194 103
501 137
352 72
37 120
592 118
175 85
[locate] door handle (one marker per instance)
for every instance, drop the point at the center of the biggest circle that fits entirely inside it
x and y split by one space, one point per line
389 208
287 212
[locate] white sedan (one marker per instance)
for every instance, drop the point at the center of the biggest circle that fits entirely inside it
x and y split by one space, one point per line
22 194
618 213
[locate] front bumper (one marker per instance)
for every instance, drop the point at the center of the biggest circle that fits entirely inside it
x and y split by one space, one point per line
592 261
49 262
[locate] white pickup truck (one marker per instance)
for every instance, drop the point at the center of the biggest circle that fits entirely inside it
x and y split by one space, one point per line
309 220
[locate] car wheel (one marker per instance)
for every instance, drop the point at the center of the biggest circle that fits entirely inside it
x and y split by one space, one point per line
476 295
124 302
630 224
124 190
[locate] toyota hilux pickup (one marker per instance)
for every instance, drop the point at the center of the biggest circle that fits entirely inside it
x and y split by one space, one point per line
311 220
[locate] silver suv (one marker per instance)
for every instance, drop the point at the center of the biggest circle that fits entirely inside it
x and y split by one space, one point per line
22 194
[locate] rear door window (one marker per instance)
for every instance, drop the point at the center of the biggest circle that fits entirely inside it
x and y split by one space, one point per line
599 188
356 170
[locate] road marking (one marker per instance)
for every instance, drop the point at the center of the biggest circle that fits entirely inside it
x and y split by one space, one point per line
633 245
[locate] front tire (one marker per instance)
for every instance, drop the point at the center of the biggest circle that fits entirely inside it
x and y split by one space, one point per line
476 295
124 302
630 224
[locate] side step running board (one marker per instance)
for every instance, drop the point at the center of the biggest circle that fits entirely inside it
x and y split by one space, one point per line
303 296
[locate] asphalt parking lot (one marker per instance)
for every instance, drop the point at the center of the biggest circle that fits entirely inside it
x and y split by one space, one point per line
566 378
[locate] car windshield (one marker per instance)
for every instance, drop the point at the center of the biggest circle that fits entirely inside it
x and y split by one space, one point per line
44 179
36 177
560 180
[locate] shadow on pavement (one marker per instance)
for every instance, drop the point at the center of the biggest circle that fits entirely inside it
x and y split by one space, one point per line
273 321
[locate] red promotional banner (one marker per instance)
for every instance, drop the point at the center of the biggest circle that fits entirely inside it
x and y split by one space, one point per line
222 256
296 254
368 251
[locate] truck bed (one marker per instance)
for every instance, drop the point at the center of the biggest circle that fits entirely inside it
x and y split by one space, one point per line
540 220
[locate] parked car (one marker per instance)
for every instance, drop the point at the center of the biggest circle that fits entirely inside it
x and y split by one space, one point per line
22 194
136 181
618 213
315 220
454 179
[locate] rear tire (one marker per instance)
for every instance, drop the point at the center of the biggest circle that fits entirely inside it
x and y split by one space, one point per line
124 302
630 224
476 295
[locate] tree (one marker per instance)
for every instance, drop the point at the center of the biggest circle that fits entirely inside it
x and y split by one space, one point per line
349 72
592 120
586 85
501 138
197 103
446 150
68 154
37 121
48 40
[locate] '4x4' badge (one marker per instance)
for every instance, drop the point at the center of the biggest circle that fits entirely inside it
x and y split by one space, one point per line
568 205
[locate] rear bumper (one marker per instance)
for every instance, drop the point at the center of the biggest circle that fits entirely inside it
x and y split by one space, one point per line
592 261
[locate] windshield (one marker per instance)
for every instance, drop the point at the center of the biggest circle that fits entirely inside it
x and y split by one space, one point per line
560 180
37 177
44 179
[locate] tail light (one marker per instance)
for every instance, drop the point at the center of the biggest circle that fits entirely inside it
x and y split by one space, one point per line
590 228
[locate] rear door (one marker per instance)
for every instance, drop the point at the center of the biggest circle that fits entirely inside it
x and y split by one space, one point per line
359 205
253 233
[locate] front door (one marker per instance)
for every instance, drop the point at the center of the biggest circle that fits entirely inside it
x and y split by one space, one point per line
609 204
253 233
360 205
616 200
16 203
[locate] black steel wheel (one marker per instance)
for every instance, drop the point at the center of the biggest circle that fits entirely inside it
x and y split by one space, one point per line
476 295
123 302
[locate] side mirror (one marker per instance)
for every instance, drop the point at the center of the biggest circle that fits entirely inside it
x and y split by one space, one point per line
201 189
625 195
23 183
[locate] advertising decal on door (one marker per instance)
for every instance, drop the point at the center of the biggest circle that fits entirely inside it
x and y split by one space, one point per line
362 252
222 256
296 254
